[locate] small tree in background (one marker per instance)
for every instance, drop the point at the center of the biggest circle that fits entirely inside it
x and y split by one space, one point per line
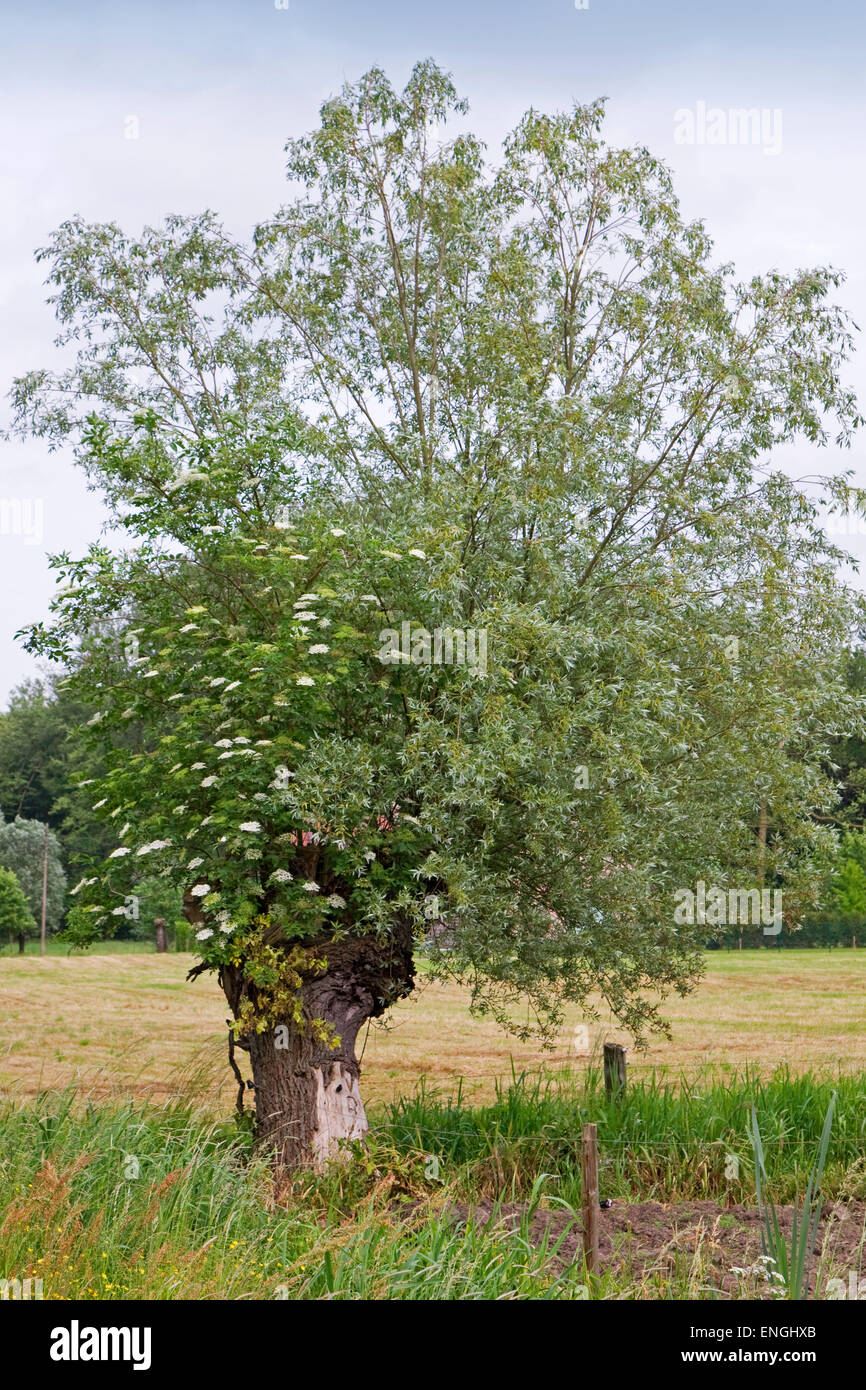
16 919
22 848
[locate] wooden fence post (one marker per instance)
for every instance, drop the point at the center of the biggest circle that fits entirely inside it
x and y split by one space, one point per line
161 943
614 1069
589 1170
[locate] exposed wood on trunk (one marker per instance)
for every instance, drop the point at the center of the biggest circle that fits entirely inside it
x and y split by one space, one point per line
307 1093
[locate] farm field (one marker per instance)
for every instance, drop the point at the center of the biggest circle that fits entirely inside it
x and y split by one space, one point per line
128 1024
470 1183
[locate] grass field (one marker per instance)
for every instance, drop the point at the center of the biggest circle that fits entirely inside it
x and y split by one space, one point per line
129 1024
124 1175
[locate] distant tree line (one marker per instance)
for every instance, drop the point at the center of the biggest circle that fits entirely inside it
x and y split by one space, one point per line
45 779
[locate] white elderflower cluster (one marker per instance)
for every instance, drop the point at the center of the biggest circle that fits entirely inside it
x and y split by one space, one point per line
83 883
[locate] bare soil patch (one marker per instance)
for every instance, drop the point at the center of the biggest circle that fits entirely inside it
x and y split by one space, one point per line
647 1238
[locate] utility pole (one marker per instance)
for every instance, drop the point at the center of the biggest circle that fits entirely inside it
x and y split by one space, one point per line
44 890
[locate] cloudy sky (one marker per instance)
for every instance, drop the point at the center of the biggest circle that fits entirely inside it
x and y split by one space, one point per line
211 89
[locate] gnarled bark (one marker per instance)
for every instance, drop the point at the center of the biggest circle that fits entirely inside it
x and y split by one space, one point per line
307 1092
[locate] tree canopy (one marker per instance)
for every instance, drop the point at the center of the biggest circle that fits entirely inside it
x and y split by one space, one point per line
16 919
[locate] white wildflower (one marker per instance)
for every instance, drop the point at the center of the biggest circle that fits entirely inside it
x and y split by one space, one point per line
281 876
306 617
209 781
336 901
310 887
119 853
194 863
200 890
252 827
318 649
419 554
205 934
305 680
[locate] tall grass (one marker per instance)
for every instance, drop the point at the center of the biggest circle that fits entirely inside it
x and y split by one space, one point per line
657 1139
131 1201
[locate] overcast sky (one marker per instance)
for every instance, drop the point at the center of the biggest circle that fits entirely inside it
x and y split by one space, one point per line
214 88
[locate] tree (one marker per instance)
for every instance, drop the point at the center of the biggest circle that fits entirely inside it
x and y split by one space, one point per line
849 888
32 738
22 850
41 766
521 405
16 919
848 755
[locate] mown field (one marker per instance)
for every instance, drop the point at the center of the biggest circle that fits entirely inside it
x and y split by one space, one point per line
123 1173
129 1024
